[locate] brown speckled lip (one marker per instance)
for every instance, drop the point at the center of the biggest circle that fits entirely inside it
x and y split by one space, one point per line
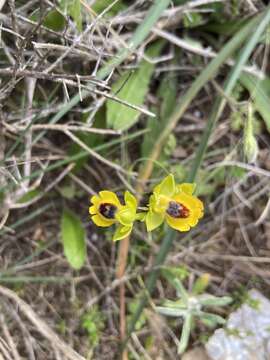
107 210
177 210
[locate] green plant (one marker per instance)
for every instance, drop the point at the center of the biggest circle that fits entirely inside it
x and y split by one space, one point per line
93 323
190 306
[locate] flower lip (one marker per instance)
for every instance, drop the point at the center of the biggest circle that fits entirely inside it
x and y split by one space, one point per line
107 210
177 210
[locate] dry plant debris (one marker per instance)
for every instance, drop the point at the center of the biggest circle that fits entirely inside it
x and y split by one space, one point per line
116 94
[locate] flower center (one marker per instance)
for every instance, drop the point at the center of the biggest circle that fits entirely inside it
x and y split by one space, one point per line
107 210
177 210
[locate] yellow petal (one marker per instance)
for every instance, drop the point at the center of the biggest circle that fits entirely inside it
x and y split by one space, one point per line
191 202
193 220
178 224
93 210
109 197
187 188
95 200
198 213
100 221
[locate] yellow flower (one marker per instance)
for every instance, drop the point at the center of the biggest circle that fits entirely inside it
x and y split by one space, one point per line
107 210
175 204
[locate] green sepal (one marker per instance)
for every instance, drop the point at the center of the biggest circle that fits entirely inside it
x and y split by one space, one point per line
126 216
141 216
130 200
166 187
121 232
153 220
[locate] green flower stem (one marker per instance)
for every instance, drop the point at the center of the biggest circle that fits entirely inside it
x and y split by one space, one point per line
259 24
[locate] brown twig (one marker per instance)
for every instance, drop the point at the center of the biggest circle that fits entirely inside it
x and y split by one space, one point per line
41 325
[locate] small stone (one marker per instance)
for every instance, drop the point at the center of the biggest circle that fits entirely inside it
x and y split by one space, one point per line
247 335
197 353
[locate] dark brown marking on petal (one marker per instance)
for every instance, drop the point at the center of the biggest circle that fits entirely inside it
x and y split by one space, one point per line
107 210
177 210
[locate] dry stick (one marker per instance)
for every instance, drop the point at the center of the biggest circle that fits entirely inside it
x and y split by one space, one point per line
62 80
95 154
10 341
122 262
4 350
208 53
63 128
41 325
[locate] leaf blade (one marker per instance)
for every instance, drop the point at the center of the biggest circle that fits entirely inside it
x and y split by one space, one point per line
73 239
132 90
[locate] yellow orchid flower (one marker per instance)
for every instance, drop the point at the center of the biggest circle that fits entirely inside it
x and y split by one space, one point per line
107 210
175 204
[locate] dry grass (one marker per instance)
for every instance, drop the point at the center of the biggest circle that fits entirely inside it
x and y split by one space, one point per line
42 299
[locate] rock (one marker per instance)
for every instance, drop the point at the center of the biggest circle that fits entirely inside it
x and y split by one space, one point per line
197 353
247 335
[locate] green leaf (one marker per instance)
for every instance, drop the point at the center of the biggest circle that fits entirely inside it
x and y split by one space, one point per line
174 312
228 27
73 9
93 323
192 20
185 334
101 5
132 305
132 89
260 93
175 272
211 300
54 20
211 320
73 239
